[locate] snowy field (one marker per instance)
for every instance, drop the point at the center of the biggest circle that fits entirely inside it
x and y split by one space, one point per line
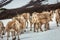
52 34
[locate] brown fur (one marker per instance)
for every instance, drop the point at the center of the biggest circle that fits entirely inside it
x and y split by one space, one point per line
13 25
26 17
57 11
1 29
42 18
21 20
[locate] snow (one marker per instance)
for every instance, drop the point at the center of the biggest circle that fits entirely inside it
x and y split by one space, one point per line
5 21
52 34
19 3
16 4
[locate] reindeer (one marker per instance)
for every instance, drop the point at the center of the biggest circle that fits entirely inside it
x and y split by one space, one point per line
45 18
13 26
57 11
40 19
26 17
34 20
1 29
22 20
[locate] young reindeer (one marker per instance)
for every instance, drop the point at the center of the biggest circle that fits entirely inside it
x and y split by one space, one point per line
34 20
1 29
22 20
13 26
40 19
45 18
57 11
26 17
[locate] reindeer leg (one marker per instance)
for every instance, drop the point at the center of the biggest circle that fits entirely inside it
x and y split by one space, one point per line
27 24
40 27
18 36
34 27
1 34
7 35
13 35
30 26
47 27
3 31
24 27
37 26
57 24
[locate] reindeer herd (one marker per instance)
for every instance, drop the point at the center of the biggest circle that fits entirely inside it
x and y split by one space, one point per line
17 25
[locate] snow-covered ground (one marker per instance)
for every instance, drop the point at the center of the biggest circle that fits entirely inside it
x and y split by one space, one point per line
53 34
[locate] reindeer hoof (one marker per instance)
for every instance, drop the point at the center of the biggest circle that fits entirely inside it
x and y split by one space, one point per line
30 29
18 39
37 31
1 37
45 30
7 39
41 30
14 39
48 28
3 33
24 30
34 31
